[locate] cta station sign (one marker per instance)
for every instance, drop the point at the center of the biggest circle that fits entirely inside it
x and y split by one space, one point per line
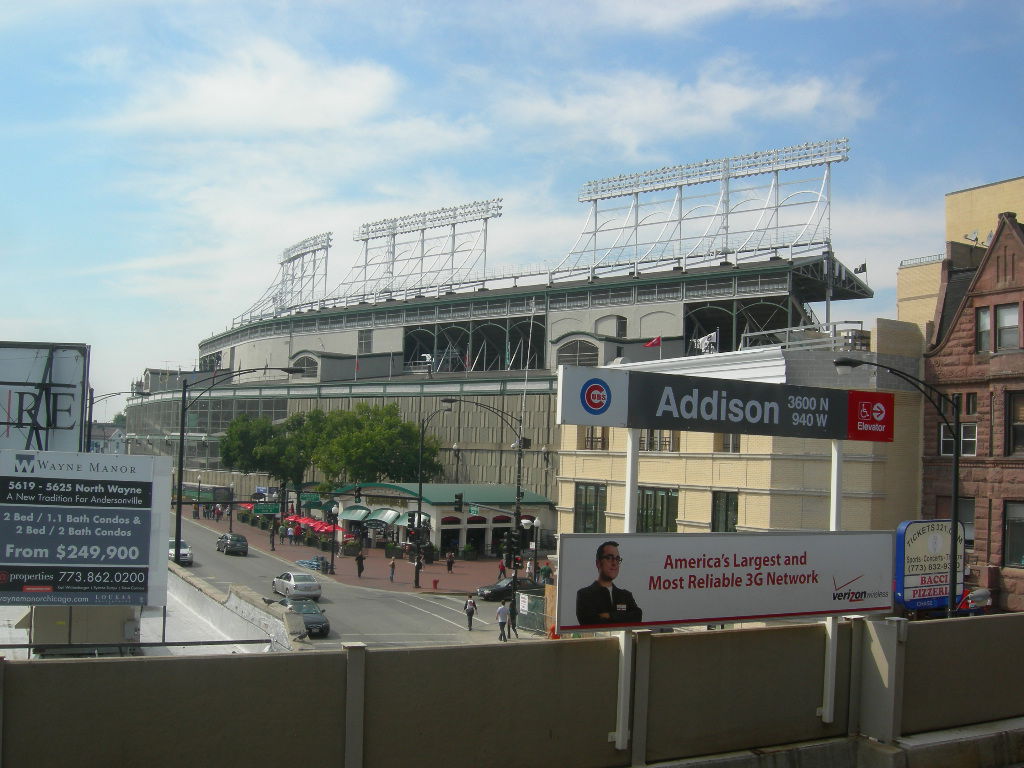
634 399
674 579
83 528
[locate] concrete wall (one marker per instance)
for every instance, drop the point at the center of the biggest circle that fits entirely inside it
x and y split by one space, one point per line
538 704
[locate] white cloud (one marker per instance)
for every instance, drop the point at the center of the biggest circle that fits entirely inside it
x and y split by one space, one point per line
259 87
633 110
673 15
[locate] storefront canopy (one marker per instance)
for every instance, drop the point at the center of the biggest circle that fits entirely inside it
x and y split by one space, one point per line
409 518
385 515
355 512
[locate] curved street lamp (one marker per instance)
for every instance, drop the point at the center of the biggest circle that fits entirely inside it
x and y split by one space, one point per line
940 401
516 425
185 405
93 399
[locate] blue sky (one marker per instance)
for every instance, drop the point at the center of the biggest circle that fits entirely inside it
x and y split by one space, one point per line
159 156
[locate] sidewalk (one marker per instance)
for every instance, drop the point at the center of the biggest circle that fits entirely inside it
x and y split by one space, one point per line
465 577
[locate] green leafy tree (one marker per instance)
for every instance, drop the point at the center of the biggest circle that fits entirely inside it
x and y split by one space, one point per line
373 444
283 451
120 419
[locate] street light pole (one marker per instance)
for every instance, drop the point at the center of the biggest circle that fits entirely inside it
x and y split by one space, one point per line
940 401
93 399
516 425
185 405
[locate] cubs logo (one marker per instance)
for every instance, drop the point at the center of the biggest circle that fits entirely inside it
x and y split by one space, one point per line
595 396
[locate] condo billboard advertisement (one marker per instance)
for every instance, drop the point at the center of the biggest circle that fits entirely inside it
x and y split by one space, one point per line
83 528
631 581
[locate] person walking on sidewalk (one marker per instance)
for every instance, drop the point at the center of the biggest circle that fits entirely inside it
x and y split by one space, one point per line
470 608
449 561
502 617
501 569
359 564
288 533
513 614
391 570
283 531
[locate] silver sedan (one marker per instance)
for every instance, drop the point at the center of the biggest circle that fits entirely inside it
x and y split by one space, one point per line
299 585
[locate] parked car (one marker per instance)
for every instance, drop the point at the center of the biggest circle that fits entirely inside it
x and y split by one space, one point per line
233 543
292 584
502 590
185 558
312 614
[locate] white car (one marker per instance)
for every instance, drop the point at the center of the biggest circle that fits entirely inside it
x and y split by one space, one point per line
298 585
186 552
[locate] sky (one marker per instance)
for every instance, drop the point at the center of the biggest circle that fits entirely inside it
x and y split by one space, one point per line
160 156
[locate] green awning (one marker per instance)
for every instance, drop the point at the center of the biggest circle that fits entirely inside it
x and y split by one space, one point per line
409 518
355 512
386 515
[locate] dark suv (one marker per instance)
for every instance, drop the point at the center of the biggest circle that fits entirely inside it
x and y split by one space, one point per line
233 544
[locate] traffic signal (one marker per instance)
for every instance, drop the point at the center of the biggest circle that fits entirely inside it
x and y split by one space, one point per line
458 502
358 494
518 562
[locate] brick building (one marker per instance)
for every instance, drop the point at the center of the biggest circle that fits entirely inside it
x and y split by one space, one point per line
978 355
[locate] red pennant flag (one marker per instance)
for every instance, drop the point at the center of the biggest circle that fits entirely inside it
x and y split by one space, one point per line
655 342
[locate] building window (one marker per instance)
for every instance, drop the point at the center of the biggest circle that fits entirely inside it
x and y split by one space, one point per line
1015 424
620 327
589 508
591 438
365 341
308 365
966 516
1007 327
970 403
1013 534
727 443
656 510
983 332
577 353
968 440
724 511
657 440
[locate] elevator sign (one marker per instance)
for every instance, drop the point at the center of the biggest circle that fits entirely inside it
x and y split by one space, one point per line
595 396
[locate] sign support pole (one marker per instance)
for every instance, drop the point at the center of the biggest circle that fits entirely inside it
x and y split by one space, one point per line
835 518
626 637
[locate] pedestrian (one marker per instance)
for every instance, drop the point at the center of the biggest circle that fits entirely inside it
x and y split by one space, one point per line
195 512
501 569
289 533
416 571
470 608
359 564
502 617
283 530
513 614
449 561
391 570
545 572
529 569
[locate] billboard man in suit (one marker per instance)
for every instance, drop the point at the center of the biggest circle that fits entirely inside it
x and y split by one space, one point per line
602 602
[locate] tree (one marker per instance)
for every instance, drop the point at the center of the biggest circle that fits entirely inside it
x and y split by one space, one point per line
120 419
373 444
283 451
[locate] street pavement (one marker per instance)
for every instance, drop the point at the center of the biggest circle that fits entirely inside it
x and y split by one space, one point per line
465 577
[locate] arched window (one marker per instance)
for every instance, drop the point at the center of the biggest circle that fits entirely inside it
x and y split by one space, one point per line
308 365
577 353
